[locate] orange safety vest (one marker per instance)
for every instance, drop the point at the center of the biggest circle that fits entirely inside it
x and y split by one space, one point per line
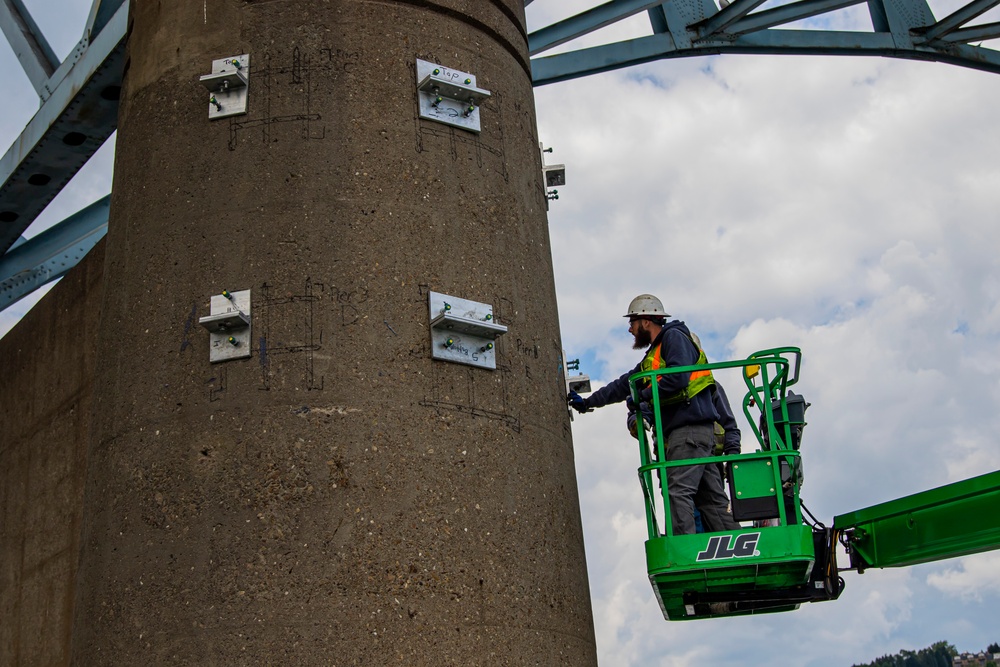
699 380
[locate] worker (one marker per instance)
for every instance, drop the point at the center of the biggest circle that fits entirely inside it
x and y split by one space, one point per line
687 413
726 431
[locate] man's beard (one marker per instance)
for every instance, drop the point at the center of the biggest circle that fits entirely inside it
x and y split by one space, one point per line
643 339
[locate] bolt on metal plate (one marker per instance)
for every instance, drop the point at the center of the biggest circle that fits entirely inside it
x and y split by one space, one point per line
463 331
228 326
449 96
228 86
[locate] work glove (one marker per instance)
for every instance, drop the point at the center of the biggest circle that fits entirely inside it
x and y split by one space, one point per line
630 404
578 402
632 420
728 450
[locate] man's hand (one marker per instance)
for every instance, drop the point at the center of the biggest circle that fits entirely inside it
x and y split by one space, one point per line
729 450
630 423
644 410
578 402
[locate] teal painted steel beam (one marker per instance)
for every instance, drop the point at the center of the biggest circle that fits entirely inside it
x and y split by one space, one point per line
900 20
949 521
726 17
658 20
965 55
597 59
974 33
795 11
806 42
566 66
586 22
71 125
49 255
682 15
958 18
37 58
101 13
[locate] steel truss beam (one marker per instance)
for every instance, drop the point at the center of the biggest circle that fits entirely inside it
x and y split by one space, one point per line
33 52
79 112
587 22
49 255
957 19
683 28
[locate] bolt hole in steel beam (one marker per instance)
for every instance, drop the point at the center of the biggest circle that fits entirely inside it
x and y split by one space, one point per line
74 139
8 216
39 179
111 93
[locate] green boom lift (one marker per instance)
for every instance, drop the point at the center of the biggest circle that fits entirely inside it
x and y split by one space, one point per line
781 561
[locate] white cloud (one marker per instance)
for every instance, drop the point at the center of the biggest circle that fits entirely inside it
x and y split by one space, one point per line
973 578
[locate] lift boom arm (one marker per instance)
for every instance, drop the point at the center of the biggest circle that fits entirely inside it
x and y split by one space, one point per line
952 520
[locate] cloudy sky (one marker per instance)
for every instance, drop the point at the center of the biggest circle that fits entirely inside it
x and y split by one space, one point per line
843 205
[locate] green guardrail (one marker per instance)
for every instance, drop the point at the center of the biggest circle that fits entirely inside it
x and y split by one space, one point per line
754 569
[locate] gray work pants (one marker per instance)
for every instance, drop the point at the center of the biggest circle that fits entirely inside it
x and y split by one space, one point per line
699 485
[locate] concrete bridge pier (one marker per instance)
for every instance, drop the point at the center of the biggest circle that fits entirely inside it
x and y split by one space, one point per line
339 497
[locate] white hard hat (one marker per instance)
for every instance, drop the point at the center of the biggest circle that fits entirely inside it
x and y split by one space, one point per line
646 305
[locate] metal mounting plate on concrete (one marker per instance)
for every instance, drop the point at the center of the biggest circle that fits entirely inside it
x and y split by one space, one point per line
579 383
555 175
445 96
228 319
228 84
463 331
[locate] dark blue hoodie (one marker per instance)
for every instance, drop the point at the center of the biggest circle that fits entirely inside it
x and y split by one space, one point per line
677 349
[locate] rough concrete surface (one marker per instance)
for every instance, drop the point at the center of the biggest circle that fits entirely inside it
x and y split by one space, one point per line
48 367
339 498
